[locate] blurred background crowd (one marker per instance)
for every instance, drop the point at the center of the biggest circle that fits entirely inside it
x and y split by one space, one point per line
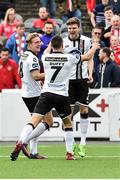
99 19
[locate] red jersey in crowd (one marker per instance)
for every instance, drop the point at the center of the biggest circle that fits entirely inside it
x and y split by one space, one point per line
90 4
9 76
39 23
116 32
117 54
8 29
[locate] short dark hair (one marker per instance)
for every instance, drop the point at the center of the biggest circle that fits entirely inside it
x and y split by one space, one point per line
73 20
4 49
107 8
107 51
97 27
56 42
49 22
22 25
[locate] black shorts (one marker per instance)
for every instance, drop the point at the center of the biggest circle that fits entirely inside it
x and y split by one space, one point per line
30 103
47 101
78 92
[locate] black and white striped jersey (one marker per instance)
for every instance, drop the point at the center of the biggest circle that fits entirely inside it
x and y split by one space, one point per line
57 67
83 44
29 62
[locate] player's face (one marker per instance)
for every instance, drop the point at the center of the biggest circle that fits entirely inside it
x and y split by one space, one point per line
35 45
73 31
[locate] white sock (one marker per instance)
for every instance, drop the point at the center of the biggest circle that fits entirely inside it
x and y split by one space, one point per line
33 146
69 140
25 133
73 128
37 131
84 128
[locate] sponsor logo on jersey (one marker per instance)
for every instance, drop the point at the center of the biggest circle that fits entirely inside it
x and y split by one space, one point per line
63 59
76 53
23 57
35 65
55 85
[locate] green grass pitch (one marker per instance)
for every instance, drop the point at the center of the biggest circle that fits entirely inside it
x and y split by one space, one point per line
102 161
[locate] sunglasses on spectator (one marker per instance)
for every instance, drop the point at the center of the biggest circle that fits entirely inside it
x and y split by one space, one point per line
97 33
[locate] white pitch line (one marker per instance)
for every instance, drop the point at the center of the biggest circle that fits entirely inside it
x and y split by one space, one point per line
75 156
50 146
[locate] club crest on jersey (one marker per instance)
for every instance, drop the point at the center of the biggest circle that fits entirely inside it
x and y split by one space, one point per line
76 53
66 46
35 65
34 60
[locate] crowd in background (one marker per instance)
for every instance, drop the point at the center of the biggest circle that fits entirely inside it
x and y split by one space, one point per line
104 16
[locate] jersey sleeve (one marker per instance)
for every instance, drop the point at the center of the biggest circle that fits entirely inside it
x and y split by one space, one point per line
76 53
75 59
33 63
88 45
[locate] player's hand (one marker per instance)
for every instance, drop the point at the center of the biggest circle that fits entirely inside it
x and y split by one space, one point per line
90 79
96 45
41 83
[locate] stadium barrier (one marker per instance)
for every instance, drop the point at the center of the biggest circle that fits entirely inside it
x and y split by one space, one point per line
104 116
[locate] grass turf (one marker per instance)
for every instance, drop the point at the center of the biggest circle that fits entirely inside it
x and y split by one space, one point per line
101 161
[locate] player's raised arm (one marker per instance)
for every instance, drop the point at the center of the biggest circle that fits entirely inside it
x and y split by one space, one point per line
48 49
90 53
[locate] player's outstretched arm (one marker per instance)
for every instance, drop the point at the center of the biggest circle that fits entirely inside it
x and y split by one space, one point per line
90 53
48 49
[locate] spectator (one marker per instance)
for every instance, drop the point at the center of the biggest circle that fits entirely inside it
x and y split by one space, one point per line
3 7
46 37
43 17
116 6
114 29
51 5
97 15
108 14
115 47
108 73
8 26
8 71
73 10
96 37
17 42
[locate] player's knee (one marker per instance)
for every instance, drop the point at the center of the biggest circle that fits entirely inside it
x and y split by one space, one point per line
48 118
84 115
33 126
67 122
